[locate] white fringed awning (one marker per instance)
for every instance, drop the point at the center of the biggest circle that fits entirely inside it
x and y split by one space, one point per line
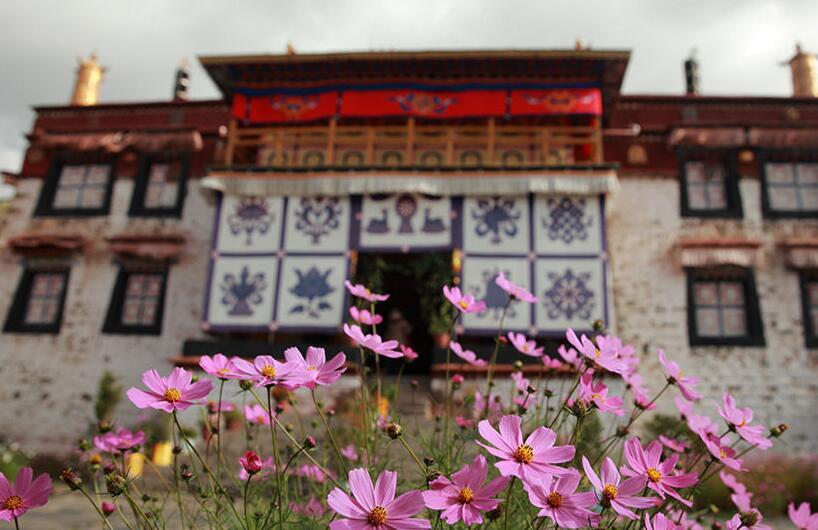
718 251
443 184
801 253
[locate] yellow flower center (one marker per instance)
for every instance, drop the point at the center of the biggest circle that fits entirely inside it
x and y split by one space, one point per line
173 395
261 418
525 347
96 458
15 502
654 475
268 370
377 516
597 353
465 496
524 454
464 304
554 499
222 371
597 397
723 453
742 424
311 367
610 492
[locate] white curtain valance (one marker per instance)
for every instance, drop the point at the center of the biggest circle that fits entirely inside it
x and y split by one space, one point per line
715 252
475 183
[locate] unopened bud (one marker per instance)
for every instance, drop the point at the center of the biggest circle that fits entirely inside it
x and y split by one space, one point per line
428 461
394 430
778 430
186 475
432 475
177 449
530 389
518 364
414 383
331 412
108 469
598 326
104 426
245 385
95 459
309 442
716 526
115 484
547 393
108 508
749 519
73 481
621 431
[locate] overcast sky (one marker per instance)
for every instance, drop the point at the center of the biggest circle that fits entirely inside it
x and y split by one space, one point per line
740 44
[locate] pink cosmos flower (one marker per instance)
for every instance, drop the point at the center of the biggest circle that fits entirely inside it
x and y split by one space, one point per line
721 452
687 385
107 508
213 407
349 452
618 496
551 363
465 303
373 342
219 366
597 394
268 468
559 501
747 520
514 290
315 369
375 507
256 414
362 316
176 392
25 494
311 508
463 422
467 355
661 477
739 419
119 440
525 460
570 356
408 353
660 522
639 390
604 357
265 371
738 492
802 518
520 381
495 408
251 463
362 292
310 471
684 522
673 444
525 346
464 496
701 424
457 379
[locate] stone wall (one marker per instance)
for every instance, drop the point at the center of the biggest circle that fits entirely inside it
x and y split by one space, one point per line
49 381
779 381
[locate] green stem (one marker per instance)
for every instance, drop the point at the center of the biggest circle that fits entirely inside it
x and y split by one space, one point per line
96 507
273 425
508 498
493 360
332 440
246 496
448 397
177 489
413 455
219 432
565 402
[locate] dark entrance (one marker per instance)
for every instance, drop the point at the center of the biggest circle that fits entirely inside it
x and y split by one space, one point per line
416 310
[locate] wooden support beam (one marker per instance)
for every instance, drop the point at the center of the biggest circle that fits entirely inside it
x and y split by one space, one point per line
333 125
491 143
410 142
370 145
449 146
231 143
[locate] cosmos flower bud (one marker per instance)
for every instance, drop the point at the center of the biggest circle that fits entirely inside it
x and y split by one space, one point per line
84 445
109 468
518 364
95 459
749 519
104 426
251 462
503 339
530 389
309 442
72 481
107 508
186 475
778 430
547 393
716 526
457 379
414 383
177 449
115 484
428 461
331 412
432 475
598 326
622 431
245 384
394 430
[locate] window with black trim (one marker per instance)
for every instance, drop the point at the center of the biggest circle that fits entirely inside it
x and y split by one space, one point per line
790 186
722 307
138 300
77 186
809 306
709 185
38 302
160 187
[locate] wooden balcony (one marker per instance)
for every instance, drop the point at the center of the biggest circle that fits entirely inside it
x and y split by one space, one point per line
414 145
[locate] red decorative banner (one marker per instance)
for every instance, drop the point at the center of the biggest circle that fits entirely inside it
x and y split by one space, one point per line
556 101
423 104
280 108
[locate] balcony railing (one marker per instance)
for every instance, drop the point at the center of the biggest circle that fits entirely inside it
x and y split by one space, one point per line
413 145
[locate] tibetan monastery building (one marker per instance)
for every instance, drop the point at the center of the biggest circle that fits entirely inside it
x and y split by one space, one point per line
146 234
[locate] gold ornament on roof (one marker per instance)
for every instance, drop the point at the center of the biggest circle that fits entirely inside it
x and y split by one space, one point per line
86 86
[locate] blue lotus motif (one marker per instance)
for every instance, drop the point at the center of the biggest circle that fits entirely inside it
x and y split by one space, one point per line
311 287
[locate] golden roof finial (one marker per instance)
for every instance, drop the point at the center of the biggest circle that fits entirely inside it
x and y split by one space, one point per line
290 48
86 85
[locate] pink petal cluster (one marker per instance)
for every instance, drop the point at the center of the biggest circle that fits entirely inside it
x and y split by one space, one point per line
264 371
219 366
747 520
529 459
373 342
739 420
465 303
362 316
311 508
250 462
558 500
720 451
464 497
467 355
513 290
619 496
25 494
256 414
350 453
375 507
605 357
596 394
176 392
119 440
661 477
738 492
525 346
408 353
314 369
660 522
360 291
687 385
802 518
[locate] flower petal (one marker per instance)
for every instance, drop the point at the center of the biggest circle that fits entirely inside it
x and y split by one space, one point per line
344 505
360 483
407 505
385 488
